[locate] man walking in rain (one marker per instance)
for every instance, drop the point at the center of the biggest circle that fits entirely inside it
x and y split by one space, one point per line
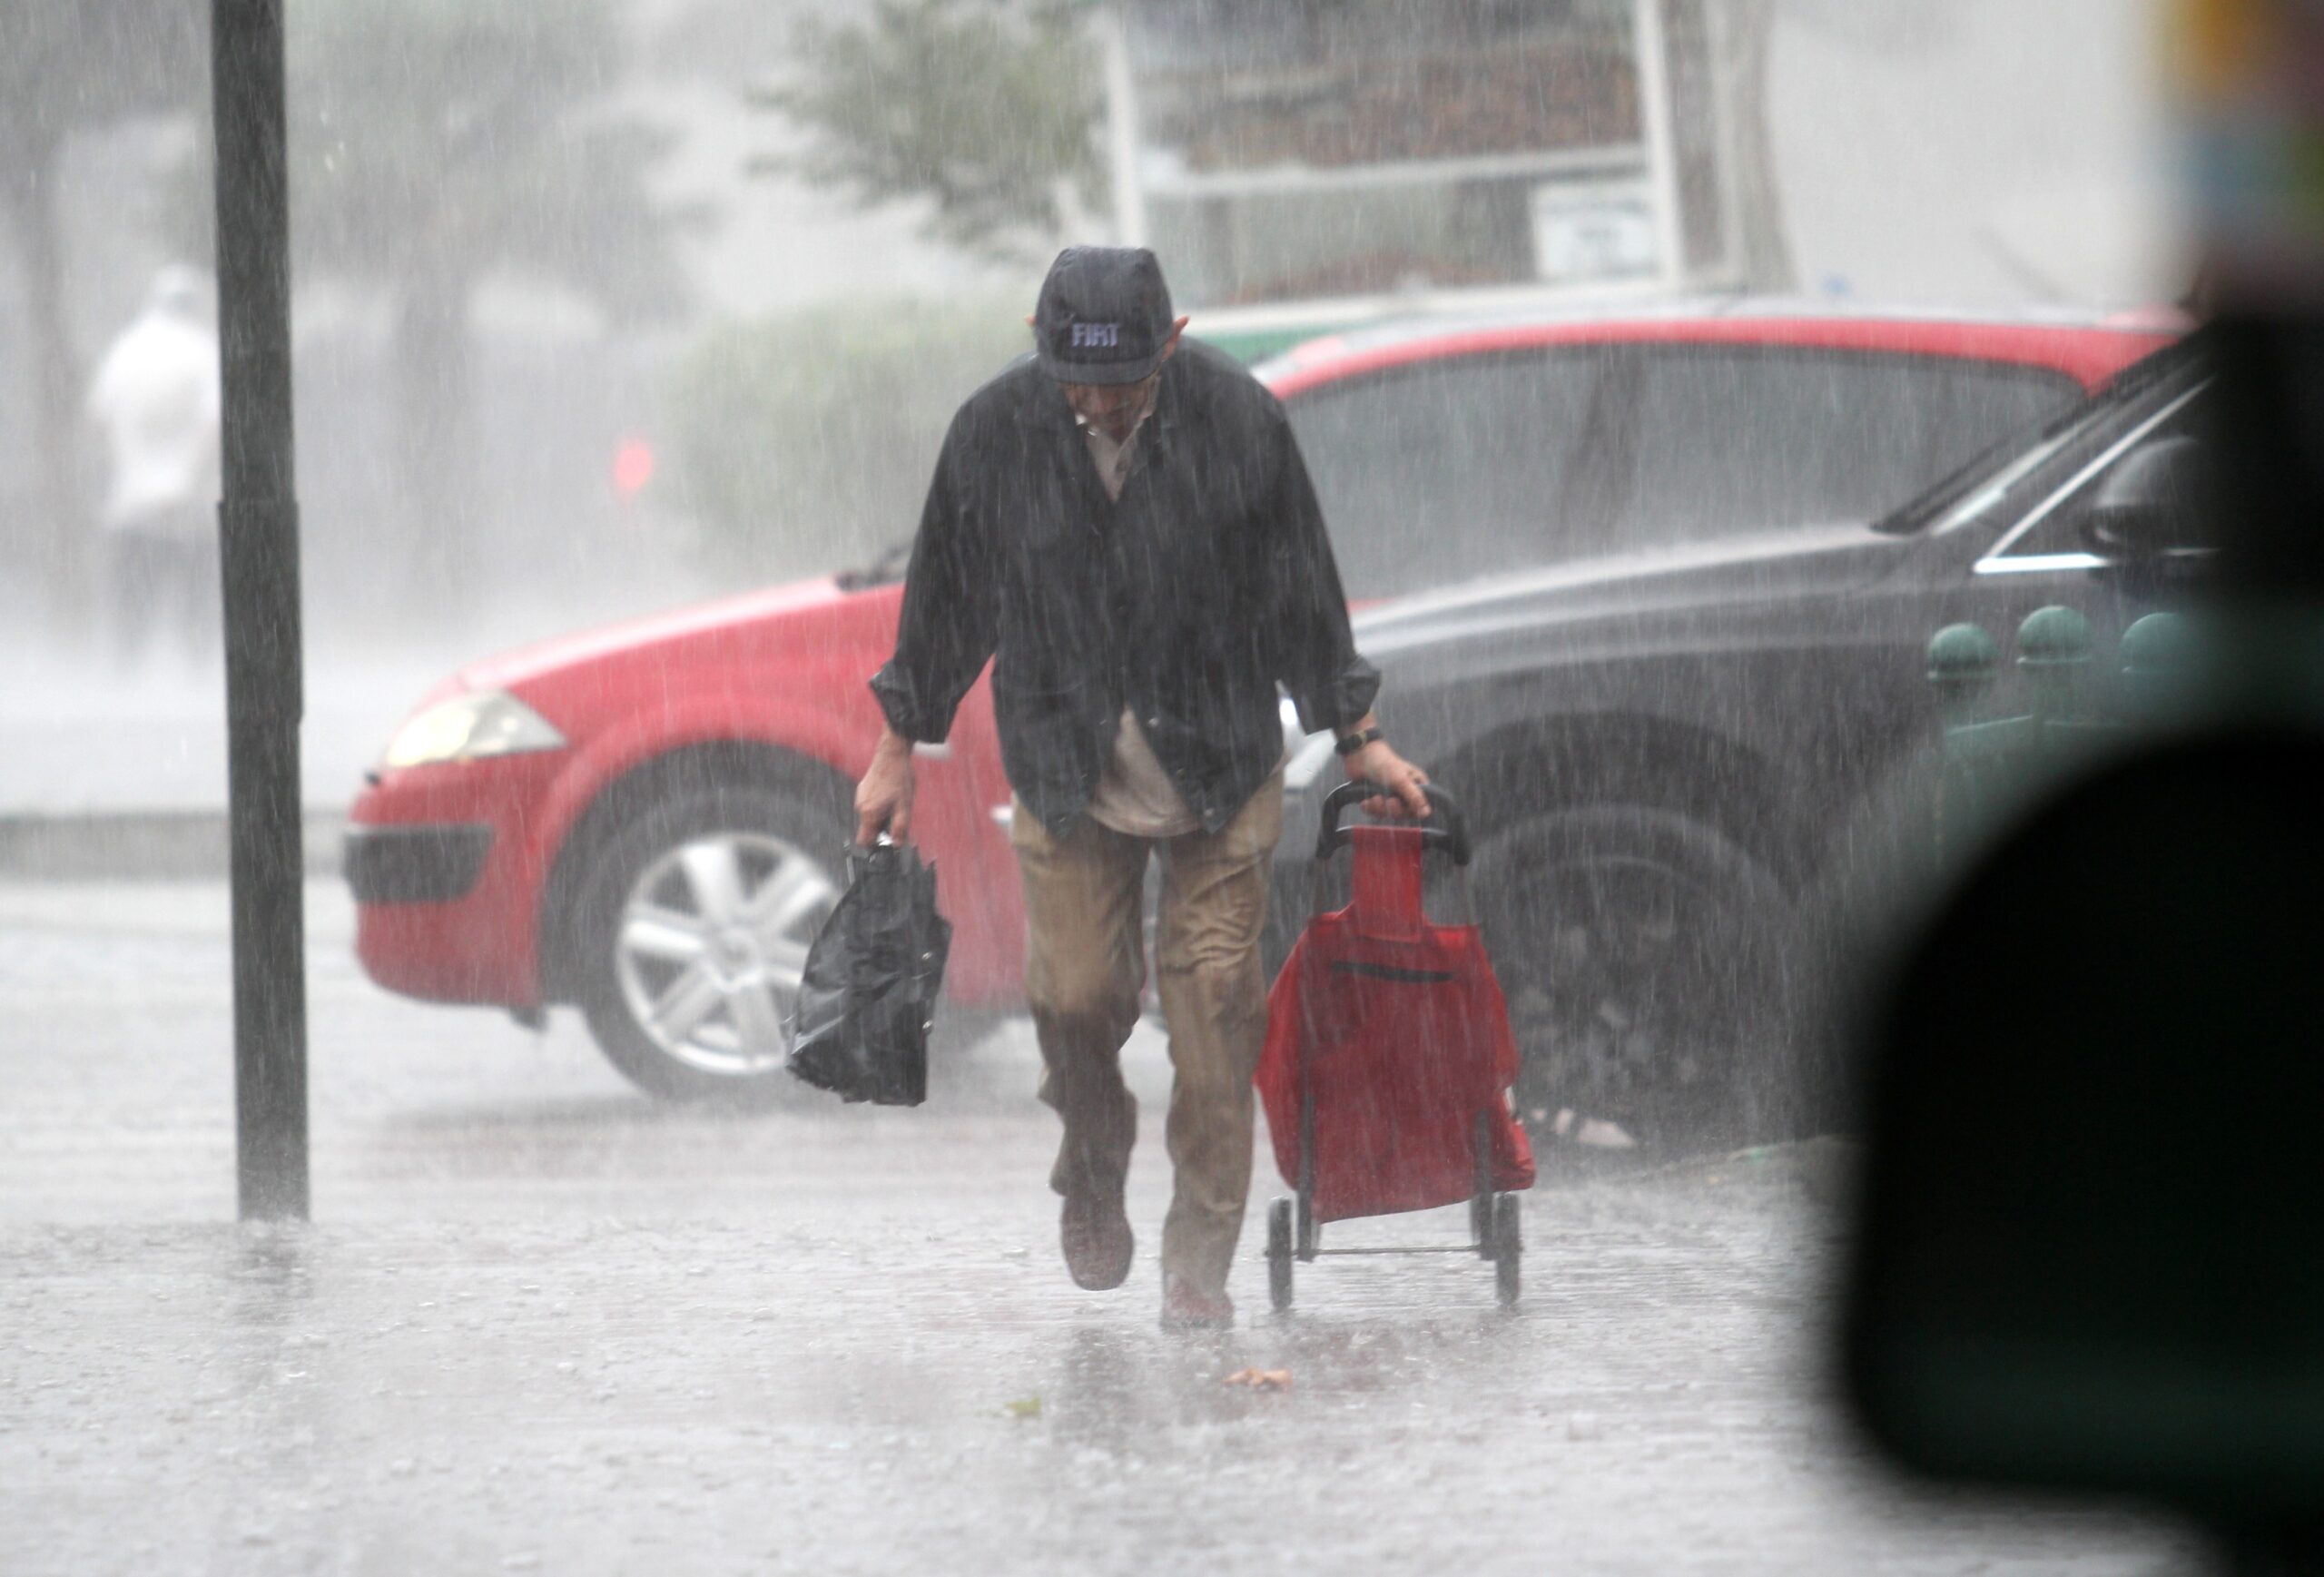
1123 523
155 402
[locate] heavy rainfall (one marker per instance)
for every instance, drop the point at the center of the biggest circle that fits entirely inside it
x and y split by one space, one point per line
1587 412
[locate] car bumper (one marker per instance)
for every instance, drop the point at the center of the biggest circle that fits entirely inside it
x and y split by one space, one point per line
447 874
425 863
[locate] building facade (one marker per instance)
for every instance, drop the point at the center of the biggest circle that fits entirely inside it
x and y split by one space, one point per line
1301 150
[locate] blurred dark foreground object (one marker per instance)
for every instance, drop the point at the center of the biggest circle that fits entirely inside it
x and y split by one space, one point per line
861 1028
2090 1250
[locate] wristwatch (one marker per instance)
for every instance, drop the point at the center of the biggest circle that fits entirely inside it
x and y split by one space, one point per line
1357 741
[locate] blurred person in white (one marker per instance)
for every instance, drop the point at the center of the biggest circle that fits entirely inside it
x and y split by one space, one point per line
155 402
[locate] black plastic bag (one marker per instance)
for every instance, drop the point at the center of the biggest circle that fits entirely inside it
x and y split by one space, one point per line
860 1025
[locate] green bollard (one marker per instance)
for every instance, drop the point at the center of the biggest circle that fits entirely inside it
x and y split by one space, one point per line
2158 654
2054 654
1961 662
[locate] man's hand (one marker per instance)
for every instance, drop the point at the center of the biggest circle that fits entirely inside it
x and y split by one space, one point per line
883 799
1377 763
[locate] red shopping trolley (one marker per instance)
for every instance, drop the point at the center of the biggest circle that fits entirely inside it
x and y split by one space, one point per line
1389 1059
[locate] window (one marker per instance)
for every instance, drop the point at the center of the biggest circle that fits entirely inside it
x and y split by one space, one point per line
1451 471
2051 536
1724 441
1286 151
1446 471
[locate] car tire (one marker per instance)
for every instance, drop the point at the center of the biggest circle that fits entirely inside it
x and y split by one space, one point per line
695 916
1641 954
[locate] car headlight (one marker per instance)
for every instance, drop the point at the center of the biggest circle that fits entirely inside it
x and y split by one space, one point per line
470 727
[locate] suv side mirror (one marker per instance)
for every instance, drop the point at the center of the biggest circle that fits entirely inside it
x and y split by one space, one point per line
2152 504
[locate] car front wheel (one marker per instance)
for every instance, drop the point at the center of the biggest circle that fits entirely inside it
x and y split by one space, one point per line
1641 954
697 917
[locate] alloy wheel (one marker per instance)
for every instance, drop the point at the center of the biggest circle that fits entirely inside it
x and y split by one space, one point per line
710 946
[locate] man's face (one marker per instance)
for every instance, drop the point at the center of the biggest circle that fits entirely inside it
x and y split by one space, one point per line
1111 408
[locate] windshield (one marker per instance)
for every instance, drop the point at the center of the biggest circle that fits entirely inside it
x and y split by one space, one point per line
1976 486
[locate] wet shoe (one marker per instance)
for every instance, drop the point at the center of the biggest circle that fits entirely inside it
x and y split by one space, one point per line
1185 1307
1095 1234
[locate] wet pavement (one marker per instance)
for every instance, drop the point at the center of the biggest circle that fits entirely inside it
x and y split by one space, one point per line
541 1325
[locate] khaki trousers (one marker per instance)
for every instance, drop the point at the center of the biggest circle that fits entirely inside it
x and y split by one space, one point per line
1085 970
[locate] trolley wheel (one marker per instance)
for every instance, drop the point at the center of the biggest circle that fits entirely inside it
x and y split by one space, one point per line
1508 1248
1279 1253
1310 1231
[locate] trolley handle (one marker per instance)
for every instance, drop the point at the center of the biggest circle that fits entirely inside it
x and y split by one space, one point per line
1448 828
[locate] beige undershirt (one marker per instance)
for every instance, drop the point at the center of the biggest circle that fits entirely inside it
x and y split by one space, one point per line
1135 795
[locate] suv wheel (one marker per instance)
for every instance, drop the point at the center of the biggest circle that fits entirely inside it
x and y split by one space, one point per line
1641 955
696 918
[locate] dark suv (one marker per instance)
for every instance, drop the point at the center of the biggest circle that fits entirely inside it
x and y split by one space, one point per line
1660 748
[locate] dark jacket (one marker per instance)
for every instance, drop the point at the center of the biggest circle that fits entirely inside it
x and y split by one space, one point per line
1189 600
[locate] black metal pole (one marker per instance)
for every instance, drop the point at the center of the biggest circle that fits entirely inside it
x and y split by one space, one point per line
258 527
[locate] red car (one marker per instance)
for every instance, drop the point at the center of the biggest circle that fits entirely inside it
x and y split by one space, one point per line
646 821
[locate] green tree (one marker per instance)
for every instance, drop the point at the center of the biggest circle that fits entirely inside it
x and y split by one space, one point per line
68 68
990 108
437 143
806 439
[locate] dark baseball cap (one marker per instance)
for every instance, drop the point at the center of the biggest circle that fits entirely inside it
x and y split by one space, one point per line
1103 315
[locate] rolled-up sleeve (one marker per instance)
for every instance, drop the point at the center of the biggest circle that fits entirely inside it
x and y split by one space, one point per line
1313 655
946 632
